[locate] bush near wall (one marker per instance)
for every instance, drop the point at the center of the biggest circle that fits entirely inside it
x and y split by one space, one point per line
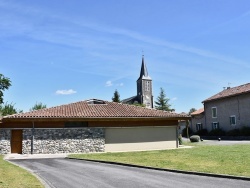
233 132
202 132
217 132
244 131
195 138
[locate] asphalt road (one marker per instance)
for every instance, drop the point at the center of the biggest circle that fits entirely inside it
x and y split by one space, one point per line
65 173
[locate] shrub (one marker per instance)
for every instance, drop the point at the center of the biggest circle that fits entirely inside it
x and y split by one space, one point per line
245 131
202 132
195 138
233 132
184 132
217 132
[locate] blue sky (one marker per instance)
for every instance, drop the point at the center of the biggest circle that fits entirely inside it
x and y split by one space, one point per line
58 52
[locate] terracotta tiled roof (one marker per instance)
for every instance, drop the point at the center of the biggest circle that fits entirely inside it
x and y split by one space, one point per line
197 112
95 109
230 92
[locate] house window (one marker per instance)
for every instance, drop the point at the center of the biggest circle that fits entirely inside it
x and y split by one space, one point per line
198 126
214 112
233 120
215 125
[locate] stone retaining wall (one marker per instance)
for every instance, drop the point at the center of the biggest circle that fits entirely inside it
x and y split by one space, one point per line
69 140
4 141
65 140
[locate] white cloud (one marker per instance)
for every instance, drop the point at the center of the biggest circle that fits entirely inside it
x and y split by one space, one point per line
120 84
65 92
108 83
174 99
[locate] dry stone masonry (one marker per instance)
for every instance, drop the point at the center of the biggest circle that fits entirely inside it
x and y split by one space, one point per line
51 141
4 141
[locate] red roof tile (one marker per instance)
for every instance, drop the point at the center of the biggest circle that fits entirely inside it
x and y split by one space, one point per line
197 112
230 92
86 109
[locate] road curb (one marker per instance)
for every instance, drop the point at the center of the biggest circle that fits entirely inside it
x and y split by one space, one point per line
169 170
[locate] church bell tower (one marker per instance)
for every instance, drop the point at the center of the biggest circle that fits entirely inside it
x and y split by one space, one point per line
144 87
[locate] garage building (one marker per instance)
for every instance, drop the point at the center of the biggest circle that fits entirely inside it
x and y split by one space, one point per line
89 126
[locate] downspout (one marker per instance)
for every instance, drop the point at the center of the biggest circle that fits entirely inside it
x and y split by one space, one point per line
32 137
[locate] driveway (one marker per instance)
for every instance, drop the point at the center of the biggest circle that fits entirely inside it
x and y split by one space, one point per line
222 142
64 173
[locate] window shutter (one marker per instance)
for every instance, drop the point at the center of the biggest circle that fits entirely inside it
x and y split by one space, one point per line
218 125
212 126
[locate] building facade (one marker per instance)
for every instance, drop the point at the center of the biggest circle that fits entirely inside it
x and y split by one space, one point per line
89 126
227 110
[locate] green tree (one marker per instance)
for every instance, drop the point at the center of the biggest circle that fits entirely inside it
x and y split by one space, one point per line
191 111
38 106
116 97
138 104
8 109
5 83
162 102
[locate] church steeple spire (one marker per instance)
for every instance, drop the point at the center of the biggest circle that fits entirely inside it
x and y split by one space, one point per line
144 71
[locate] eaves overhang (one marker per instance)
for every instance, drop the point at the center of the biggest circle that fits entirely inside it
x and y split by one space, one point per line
52 119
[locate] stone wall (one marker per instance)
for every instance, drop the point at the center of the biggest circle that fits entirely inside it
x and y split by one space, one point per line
4 141
67 140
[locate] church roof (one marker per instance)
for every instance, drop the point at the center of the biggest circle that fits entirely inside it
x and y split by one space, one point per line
130 100
144 71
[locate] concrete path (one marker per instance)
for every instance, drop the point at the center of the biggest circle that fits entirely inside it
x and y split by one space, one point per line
34 156
60 155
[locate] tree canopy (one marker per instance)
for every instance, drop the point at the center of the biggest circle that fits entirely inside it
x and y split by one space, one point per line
5 83
191 111
162 102
116 97
38 106
8 109
138 104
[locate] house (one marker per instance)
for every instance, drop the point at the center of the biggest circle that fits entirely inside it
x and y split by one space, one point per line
144 89
89 126
228 109
198 120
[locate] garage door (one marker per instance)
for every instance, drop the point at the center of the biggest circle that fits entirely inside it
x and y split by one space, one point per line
140 138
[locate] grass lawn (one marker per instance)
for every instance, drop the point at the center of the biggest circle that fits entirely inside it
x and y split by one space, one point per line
14 176
232 160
